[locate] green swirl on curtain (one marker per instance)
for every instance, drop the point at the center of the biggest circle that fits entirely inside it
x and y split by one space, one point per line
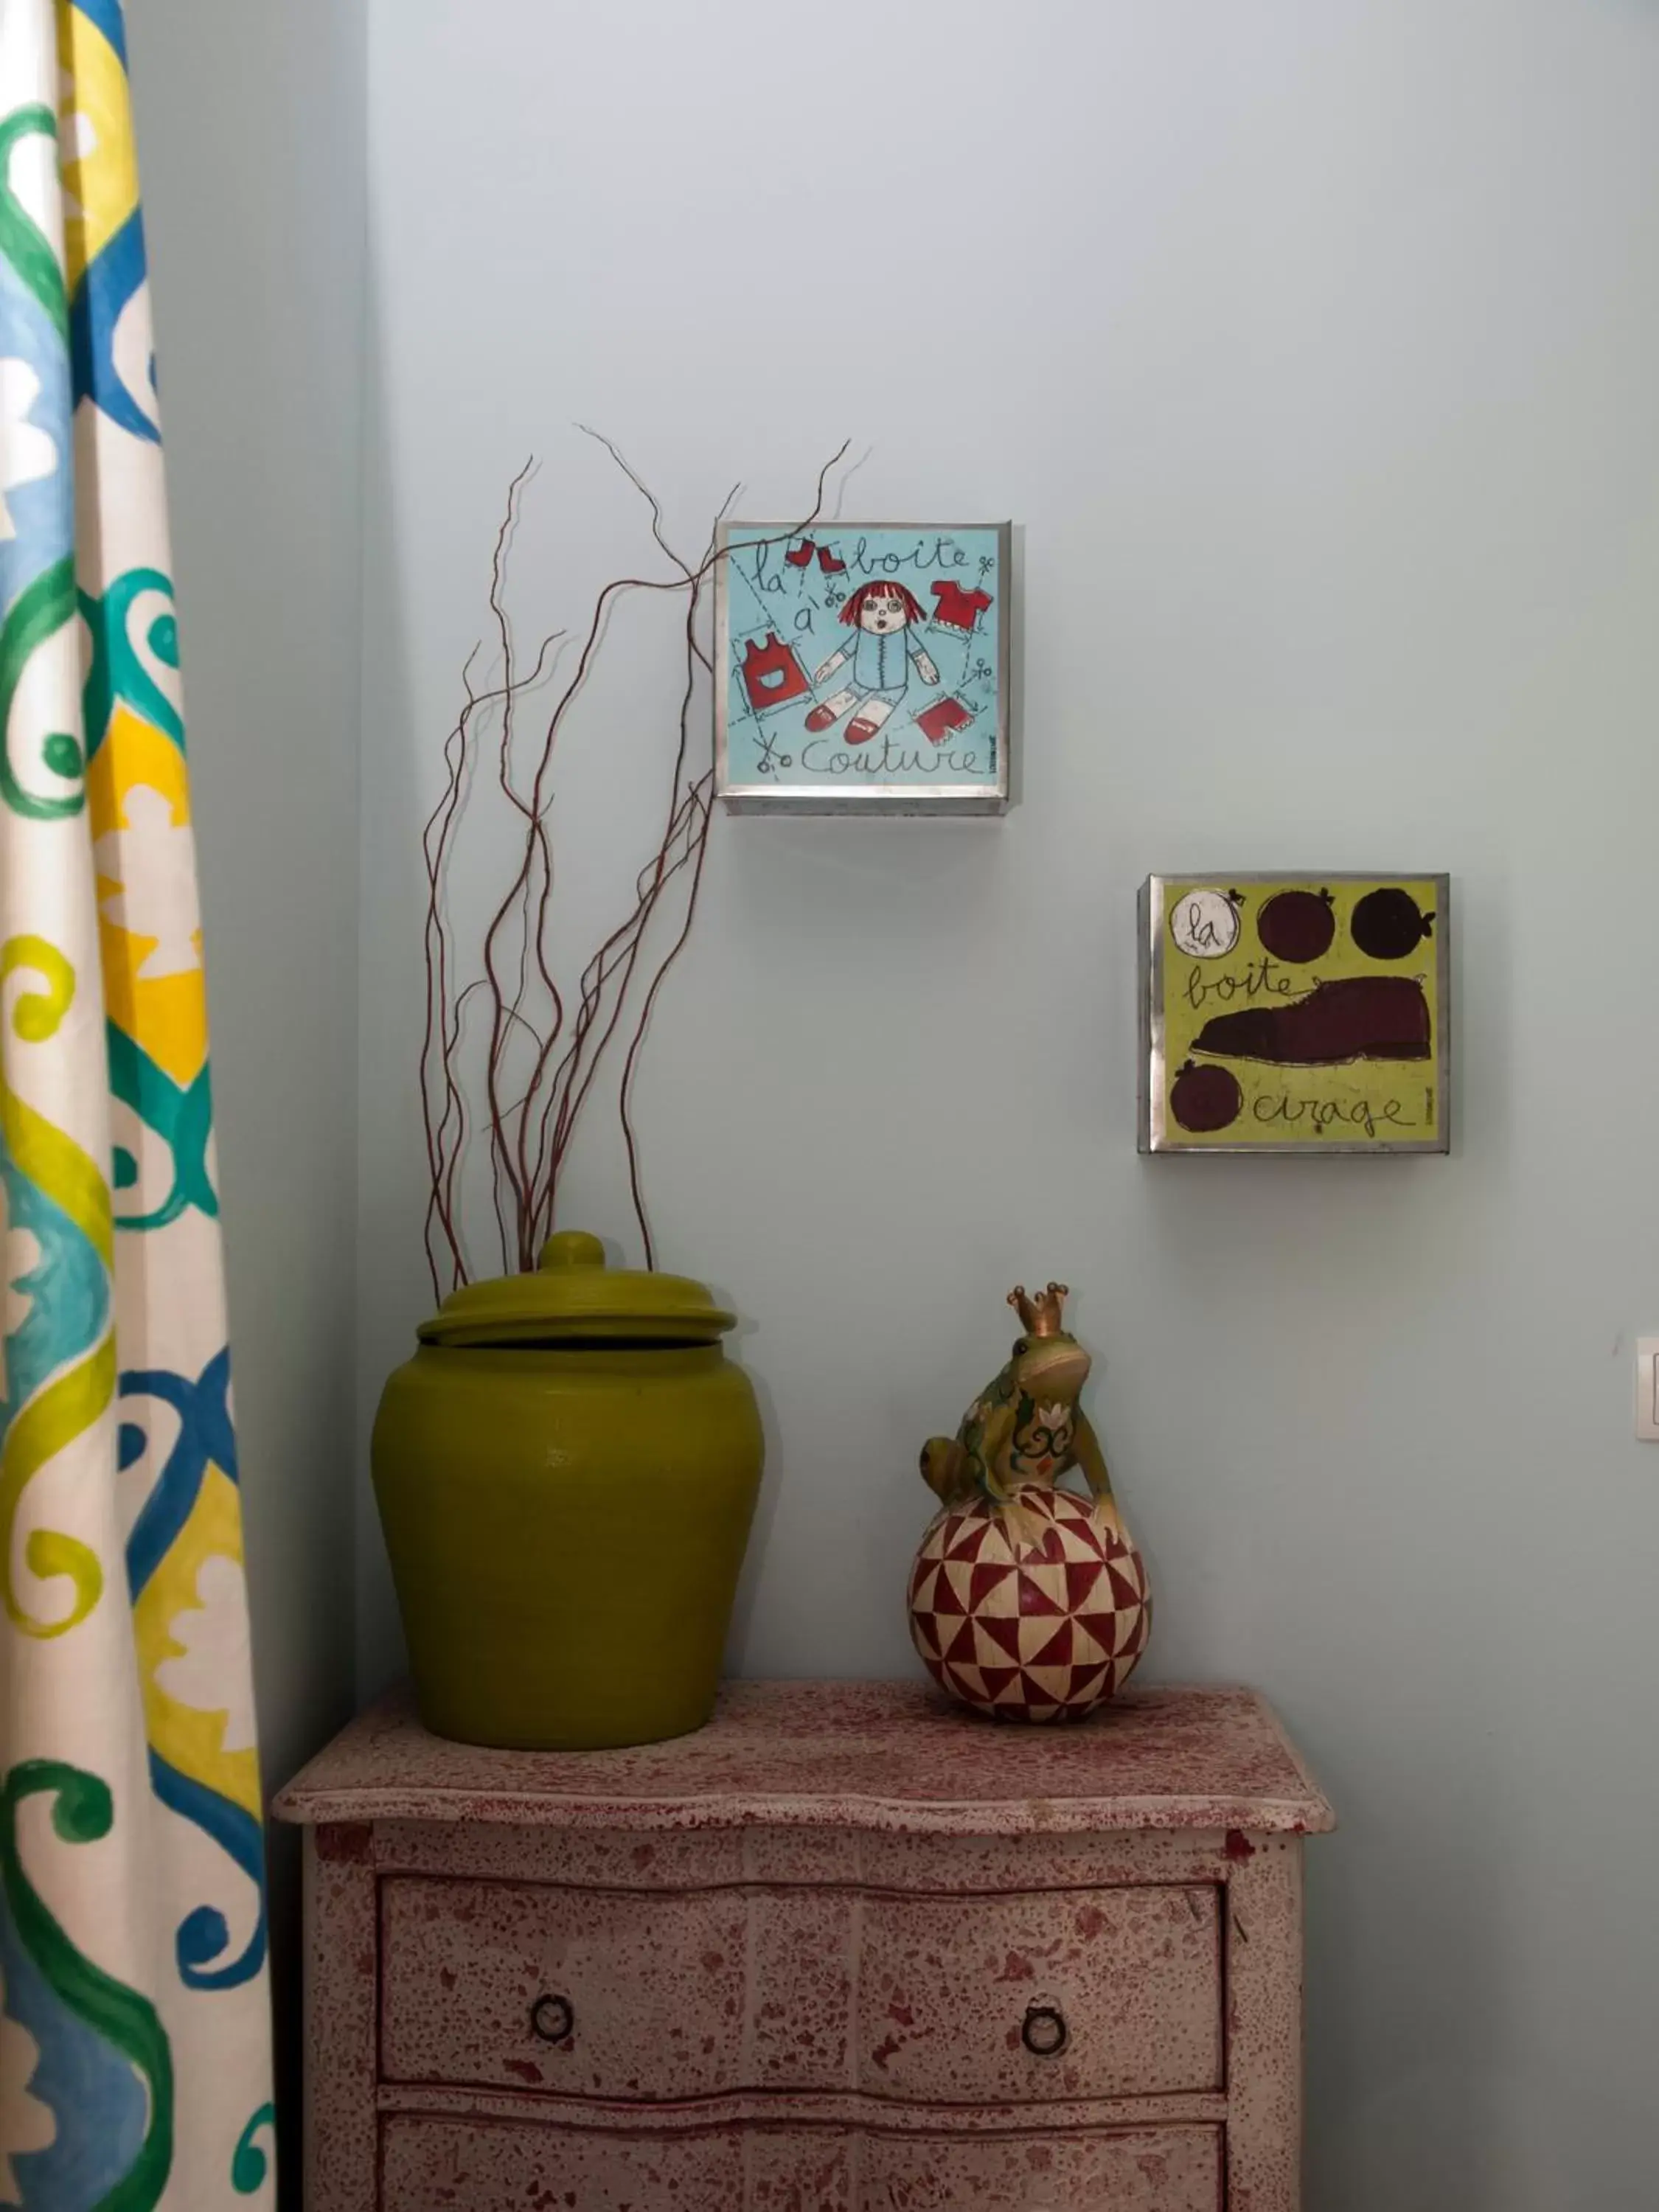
27 249
116 670
249 2164
44 606
83 1813
57 1166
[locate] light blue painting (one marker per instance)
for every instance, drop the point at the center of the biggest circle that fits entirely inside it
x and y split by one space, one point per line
865 664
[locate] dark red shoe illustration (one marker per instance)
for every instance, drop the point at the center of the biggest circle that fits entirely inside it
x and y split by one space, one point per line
821 717
831 562
1352 1017
801 556
859 732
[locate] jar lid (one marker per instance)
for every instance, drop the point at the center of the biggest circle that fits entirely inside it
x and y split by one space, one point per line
573 1297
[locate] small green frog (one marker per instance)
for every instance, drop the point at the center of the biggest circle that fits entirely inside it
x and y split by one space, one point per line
1027 1427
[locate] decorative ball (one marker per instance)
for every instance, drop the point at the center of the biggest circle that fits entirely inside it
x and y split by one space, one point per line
1035 1610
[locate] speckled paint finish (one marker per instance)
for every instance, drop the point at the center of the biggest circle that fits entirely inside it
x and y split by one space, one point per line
341 1997
790 2002
656 1987
748 2109
710 1858
448 2165
1142 2170
696 1993
1264 2024
803 1984
947 1986
846 1754
459 2167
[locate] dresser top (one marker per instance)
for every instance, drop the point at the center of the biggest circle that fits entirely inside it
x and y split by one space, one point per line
891 1755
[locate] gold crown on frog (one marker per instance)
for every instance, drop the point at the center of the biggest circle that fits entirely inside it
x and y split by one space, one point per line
1040 1316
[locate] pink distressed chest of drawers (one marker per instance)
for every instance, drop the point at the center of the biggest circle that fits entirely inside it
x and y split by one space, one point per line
847 1949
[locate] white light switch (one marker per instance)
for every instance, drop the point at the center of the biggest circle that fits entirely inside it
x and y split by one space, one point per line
1647 1389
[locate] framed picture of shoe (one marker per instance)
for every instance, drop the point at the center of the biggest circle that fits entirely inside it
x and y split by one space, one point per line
1295 1014
862 667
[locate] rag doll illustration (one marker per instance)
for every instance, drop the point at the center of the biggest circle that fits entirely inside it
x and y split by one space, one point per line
882 650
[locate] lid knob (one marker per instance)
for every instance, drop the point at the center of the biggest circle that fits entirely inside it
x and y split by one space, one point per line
571 1247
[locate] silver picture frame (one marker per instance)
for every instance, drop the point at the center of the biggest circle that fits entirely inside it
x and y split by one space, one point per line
745 794
1156 1134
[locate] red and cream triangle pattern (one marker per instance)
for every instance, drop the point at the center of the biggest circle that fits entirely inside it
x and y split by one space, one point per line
1034 1610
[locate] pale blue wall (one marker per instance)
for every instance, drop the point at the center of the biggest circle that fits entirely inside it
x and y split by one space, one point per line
1315 345
250 139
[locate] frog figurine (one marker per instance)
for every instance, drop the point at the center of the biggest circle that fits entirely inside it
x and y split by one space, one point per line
1027 1601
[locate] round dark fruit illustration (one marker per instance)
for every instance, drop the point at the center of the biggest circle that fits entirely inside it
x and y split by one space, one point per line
1203 1099
1297 925
1389 925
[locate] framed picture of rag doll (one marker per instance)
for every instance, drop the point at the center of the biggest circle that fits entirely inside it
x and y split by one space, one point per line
862 667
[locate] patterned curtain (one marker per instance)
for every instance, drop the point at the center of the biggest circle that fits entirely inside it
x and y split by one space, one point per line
134 2037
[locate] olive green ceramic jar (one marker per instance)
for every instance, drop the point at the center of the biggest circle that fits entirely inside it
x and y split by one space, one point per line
566 1473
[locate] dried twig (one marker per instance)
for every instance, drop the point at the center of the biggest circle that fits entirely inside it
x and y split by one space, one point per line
529 1124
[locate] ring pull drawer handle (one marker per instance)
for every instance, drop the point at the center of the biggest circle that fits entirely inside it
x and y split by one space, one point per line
553 2019
1044 2033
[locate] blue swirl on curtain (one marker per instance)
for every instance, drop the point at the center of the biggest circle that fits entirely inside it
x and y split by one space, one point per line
204 1934
81 2078
205 1434
109 282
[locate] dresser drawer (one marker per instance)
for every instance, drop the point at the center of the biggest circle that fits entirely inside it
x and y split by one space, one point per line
1172 2169
622 1994
503 2165
580 1992
512 2166
1072 1994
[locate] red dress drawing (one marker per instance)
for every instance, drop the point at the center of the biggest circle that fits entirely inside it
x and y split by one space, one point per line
957 609
771 674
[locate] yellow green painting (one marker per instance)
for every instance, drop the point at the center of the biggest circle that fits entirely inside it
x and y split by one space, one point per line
1294 1013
